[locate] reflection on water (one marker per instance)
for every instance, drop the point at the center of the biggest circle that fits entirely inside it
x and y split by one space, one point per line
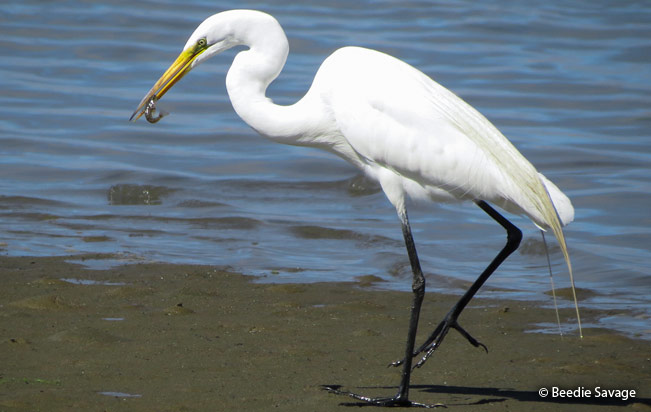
566 81
127 194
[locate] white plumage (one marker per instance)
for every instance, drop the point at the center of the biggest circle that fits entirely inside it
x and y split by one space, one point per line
409 133
380 114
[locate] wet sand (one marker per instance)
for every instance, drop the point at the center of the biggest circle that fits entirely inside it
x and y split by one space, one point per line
158 337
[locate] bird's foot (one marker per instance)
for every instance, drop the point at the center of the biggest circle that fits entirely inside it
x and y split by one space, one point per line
436 338
396 401
434 344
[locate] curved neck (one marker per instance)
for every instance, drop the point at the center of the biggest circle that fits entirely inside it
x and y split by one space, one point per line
249 76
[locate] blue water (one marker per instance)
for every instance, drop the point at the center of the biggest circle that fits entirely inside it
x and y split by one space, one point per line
566 81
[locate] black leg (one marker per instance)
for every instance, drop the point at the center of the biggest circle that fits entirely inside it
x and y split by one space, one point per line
418 289
514 236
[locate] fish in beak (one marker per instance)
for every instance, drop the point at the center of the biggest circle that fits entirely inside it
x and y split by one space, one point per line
176 71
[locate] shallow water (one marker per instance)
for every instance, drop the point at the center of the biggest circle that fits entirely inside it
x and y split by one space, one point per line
567 82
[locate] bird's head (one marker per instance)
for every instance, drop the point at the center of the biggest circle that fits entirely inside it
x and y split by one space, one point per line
212 37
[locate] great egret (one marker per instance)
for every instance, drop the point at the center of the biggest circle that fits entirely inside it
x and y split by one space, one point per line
404 130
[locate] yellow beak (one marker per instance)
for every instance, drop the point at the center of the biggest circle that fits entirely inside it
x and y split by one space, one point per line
172 75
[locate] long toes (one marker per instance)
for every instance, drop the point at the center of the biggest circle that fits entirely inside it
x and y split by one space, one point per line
474 342
396 401
435 340
432 347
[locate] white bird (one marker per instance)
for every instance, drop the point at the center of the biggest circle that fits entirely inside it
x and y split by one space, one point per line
400 127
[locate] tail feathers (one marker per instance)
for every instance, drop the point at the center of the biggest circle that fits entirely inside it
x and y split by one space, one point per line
557 211
561 202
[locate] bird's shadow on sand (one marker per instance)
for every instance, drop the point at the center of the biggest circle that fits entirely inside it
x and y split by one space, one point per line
484 395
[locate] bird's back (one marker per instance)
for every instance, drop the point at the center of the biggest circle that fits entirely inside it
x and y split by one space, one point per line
396 118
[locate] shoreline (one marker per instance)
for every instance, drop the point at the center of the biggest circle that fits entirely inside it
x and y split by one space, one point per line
168 337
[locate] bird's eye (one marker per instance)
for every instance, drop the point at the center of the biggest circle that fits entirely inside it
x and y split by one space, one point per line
201 43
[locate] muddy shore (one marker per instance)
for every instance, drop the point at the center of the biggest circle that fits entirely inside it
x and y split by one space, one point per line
160 337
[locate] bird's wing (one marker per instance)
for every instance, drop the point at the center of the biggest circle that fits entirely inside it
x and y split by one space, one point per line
395 116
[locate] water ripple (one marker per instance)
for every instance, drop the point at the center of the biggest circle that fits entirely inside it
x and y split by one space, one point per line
566 81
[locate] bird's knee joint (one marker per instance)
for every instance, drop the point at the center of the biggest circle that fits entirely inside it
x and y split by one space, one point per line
514 237
418 285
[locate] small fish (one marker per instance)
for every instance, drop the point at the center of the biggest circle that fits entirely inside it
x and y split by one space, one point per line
150 111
